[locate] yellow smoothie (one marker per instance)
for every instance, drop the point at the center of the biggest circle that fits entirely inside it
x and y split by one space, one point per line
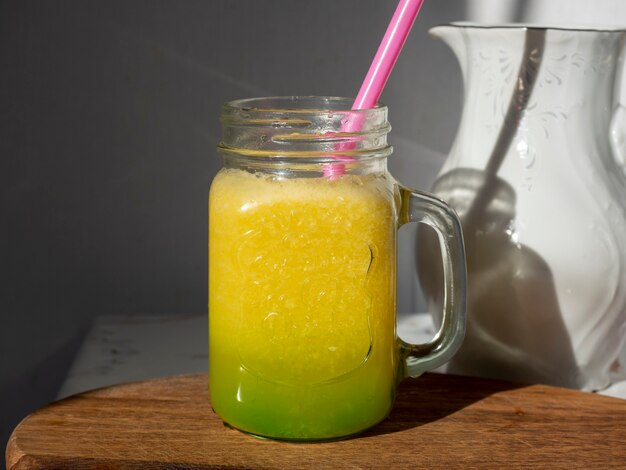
302 303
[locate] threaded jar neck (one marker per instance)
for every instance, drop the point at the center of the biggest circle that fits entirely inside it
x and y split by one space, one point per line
317 128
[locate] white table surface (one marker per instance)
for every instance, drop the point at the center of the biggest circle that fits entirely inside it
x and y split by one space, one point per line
122 349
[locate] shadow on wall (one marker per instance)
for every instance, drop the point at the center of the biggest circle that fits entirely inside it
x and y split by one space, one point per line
515 326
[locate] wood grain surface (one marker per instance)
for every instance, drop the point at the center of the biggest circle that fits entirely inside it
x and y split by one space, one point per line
439 421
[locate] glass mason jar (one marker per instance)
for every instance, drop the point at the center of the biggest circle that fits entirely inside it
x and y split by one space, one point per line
302 270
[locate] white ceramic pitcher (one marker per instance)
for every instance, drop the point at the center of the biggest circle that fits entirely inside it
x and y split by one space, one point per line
536 174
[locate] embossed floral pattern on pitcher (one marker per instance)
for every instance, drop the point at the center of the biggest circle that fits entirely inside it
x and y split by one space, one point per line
535 176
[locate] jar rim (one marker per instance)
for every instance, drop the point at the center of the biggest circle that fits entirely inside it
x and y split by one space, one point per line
297 104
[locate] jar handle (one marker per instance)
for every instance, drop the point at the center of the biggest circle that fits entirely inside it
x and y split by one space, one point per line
618 136
424 208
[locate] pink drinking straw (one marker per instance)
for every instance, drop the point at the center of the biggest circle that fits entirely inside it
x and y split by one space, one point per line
378 73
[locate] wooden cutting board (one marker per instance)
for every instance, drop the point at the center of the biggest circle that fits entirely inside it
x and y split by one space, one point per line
438 421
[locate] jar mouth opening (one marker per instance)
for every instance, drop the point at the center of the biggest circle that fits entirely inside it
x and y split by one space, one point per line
297 105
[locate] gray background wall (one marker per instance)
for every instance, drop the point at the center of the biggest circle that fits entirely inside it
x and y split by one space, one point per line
108 121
